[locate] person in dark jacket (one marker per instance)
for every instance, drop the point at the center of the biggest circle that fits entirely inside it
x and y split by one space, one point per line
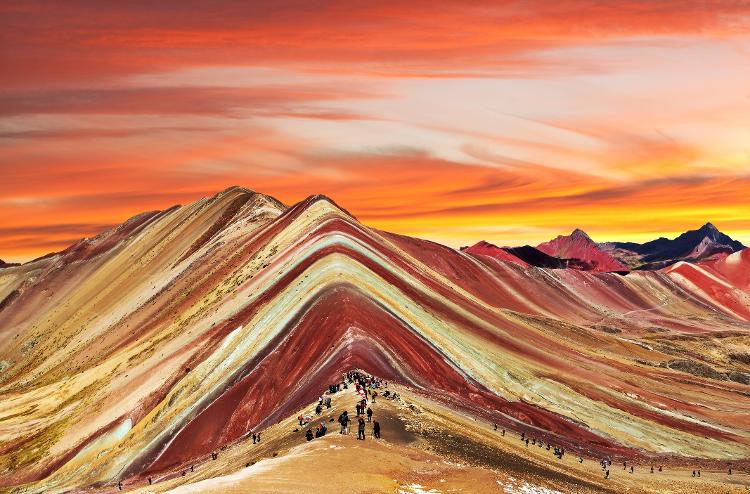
344 421
376 429
361 429
369 414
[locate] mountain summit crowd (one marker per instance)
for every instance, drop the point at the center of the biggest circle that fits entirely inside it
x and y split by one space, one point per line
366 388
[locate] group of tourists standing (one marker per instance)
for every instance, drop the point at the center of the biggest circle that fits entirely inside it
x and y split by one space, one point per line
366 388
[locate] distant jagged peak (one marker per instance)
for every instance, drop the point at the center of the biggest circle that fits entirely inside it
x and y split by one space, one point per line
481 244
710 230
578 246
578 233
707 234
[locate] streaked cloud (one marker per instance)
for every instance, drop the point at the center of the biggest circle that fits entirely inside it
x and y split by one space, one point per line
510 120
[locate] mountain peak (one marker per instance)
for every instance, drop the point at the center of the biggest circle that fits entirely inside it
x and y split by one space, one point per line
578 233
579 247
316 201
691 245
238 188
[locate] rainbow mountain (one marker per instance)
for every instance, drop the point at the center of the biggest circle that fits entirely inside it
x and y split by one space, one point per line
181 331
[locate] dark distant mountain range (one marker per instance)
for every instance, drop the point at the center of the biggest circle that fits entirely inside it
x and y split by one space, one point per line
579 251
692 245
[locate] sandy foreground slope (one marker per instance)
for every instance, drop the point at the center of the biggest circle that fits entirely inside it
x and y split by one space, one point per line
425 448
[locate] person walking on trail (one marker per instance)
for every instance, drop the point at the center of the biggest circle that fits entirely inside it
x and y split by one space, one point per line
369 414
344 421
309 435
361 434
376 429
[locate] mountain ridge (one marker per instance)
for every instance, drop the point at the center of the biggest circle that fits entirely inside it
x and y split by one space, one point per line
201 323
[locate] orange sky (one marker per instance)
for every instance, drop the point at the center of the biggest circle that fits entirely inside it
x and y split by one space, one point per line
511 122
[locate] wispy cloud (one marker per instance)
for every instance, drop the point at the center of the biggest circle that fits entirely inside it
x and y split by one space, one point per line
447 121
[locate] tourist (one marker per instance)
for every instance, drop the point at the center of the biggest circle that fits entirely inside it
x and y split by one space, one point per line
376 429
344 421
369 414
361 434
